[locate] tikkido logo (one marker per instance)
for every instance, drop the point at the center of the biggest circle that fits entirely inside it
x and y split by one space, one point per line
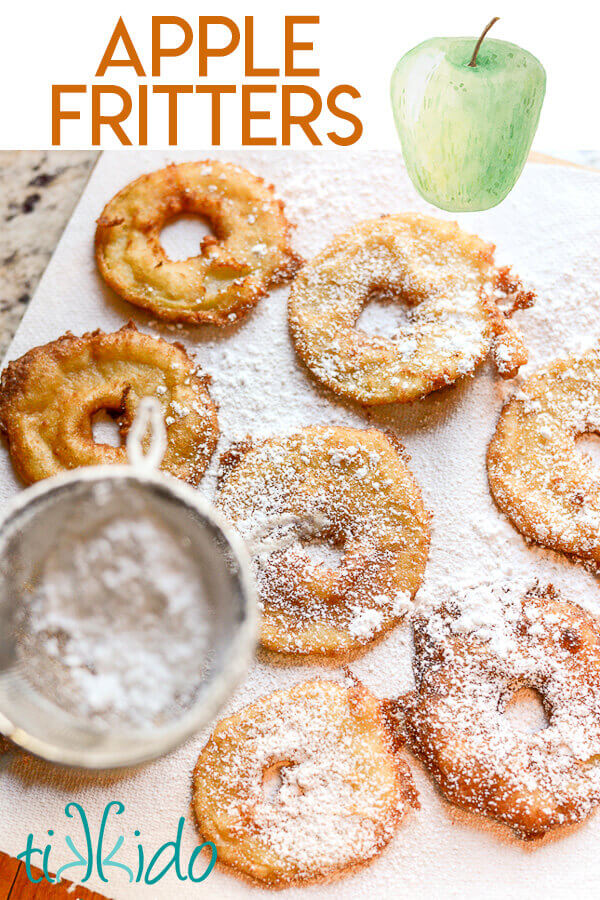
96 857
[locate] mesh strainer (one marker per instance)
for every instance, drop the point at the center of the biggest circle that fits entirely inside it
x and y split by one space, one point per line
29 528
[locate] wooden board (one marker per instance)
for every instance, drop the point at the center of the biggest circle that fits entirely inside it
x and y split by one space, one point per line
553 161
15 885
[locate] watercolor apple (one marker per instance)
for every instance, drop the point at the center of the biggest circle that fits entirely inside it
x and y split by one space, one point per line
466 111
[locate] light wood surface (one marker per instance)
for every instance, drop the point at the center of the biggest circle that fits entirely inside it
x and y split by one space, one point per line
15 885
554 161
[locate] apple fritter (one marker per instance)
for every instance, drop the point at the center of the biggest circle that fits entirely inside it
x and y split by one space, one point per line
338 534
302 785
249 254
49 397
449 283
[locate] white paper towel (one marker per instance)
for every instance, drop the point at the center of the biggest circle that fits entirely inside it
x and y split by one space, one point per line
548 230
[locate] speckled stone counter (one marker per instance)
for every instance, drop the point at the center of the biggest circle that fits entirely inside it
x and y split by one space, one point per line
38 191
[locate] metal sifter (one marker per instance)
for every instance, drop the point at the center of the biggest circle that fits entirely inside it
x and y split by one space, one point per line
31 714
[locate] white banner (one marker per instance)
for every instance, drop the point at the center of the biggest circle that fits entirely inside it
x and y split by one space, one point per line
262 73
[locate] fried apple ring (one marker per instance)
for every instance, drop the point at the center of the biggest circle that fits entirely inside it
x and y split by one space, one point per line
49 396
346 489
447 279
250 254
538 478
467 672
343 788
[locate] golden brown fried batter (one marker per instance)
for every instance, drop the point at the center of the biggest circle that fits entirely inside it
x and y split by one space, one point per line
250 254
467 673
449 282
302 784
49 396
549 490
338 533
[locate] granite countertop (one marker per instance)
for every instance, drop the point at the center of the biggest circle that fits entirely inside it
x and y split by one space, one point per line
38 191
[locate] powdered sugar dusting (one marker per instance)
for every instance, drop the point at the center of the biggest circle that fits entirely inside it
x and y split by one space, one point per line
345 490
547 231
473 653
539 478
296 777
445 277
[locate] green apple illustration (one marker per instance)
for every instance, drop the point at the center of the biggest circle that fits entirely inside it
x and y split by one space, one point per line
466 111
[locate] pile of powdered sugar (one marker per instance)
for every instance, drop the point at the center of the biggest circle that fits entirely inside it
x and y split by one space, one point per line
116 628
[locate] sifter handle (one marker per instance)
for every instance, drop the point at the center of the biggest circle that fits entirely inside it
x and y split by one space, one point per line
149 420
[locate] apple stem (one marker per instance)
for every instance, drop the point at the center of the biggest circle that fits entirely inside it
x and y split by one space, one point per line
473 62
